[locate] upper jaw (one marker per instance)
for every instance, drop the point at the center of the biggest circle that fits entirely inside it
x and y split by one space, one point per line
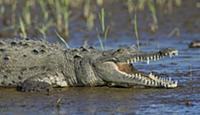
147 57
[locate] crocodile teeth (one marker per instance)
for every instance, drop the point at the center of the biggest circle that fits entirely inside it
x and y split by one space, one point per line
169 79
141 59
153 83
145 81
148 82
151 57
138 59
147 60
131 60
139 77
130 76
151 75
154 58
136 75
157 57
163 81
135 60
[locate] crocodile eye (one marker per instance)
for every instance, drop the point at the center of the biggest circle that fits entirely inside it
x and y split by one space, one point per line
6 58
120 51
35 51
77 56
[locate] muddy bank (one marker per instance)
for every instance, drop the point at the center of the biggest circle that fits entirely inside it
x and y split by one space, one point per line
103 100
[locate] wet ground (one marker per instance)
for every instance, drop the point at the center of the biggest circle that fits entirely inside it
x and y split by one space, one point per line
103 100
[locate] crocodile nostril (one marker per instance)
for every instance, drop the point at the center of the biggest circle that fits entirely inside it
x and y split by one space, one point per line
35 51
42 51
20 77
13 43
24 55
6 58
2 50
5 76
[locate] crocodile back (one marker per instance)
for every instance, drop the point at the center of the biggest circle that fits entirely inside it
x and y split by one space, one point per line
20 60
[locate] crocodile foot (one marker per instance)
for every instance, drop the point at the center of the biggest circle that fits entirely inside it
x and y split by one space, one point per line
35 86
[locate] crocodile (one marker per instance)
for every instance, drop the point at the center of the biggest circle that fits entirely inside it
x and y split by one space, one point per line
37 65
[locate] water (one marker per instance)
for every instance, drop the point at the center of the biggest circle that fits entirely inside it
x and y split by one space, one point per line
103 100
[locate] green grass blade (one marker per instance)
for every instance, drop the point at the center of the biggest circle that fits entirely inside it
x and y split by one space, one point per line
136 31
62 40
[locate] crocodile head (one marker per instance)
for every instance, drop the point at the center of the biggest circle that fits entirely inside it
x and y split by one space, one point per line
117 68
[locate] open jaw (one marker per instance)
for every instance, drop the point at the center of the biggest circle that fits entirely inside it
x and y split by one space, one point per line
145 79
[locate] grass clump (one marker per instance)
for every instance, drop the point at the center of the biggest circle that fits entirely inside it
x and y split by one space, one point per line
30 17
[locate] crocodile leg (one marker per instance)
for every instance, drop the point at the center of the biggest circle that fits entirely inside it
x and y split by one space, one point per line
43 82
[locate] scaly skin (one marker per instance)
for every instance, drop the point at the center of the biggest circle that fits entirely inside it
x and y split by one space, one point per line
38 65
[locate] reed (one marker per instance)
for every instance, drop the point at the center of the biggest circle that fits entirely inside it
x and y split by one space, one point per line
62 16
88 15
104 28
175 32
26 13
154 25
136 31
44 10
62 40
101 42
42 16
22 29
43 29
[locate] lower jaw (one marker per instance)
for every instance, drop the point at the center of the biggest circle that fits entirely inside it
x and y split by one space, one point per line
125 85
144 79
